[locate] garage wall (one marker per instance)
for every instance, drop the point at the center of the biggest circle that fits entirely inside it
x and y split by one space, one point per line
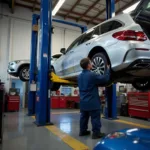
20 39
4 34
15 37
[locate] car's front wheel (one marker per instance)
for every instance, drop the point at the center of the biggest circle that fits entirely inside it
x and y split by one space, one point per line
24 73
141 85
99 63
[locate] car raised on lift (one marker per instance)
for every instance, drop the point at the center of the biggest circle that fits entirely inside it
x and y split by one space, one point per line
20 68
122 41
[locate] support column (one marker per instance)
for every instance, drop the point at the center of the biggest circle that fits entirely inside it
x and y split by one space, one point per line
110 8
111 102
32 74
44 63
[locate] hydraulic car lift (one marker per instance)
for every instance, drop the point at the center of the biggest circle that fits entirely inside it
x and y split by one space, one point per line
111 102
39 93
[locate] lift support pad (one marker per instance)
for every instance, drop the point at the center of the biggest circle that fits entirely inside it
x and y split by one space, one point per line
56 79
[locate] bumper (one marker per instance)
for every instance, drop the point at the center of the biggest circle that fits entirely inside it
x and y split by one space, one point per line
138 68
137 58
12 68
124 53
12 73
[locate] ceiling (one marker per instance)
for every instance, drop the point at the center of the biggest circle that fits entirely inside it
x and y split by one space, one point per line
88 11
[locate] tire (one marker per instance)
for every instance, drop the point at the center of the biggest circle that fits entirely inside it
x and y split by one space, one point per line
99 63
24 73
141 85
54 86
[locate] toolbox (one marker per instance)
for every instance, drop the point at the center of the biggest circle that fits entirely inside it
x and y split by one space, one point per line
139 104
13 103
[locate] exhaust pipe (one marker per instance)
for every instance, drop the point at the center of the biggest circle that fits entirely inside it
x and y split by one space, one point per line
142 65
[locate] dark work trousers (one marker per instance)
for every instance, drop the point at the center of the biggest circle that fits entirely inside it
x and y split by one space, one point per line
95 121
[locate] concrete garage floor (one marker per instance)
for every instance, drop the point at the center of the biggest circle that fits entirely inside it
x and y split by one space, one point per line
21 134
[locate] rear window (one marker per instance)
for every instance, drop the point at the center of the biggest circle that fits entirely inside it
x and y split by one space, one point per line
109 26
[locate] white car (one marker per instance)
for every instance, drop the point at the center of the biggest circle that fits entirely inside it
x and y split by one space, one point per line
122 41
20 68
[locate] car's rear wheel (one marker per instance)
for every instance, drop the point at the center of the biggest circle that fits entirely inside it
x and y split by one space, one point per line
53 85
24 73
141 85
99 63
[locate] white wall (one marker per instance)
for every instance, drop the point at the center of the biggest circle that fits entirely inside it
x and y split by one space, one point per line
4 47
15 37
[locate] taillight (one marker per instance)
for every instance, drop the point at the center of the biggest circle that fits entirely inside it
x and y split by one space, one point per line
130 35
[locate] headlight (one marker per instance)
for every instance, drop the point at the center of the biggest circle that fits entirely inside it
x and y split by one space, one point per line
17 61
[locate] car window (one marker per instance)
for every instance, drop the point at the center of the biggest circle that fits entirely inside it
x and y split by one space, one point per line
97 31
74 43
109 26
87 37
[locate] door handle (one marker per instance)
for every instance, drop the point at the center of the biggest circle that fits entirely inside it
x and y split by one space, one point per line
88 43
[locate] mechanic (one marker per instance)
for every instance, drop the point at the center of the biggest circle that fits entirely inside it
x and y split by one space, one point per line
90 105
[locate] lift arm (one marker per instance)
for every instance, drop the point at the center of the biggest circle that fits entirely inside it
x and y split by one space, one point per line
57 79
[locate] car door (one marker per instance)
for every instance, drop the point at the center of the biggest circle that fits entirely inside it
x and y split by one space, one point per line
68 62
58 65
83 48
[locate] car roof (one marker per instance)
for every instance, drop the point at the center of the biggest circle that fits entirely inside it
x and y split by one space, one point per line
125 18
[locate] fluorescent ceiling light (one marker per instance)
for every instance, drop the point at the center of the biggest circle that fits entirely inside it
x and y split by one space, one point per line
57 7
131 8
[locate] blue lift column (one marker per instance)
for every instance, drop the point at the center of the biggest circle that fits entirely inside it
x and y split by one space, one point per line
111 102
34 39
33 99
42 113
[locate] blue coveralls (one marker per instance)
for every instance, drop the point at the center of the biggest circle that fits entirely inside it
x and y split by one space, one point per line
90 104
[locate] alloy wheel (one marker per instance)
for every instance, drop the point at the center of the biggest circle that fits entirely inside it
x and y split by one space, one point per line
25 74
98 65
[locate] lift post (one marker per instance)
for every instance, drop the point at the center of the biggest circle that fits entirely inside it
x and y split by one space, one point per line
39 98
42 113
32 80
110 92
33 60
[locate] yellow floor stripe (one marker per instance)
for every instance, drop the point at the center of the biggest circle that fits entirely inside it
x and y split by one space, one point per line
70 141
133 124
71 112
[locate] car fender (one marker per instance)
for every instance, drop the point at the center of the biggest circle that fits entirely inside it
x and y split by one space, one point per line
97 49
26 64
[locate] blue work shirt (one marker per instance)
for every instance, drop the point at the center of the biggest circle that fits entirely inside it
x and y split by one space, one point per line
88 83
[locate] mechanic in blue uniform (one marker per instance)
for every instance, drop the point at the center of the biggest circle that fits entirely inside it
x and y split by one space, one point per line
90 105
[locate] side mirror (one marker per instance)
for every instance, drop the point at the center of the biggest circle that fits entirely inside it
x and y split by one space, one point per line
63 50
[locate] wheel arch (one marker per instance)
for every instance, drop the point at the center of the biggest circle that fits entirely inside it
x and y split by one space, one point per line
21 66
96 50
